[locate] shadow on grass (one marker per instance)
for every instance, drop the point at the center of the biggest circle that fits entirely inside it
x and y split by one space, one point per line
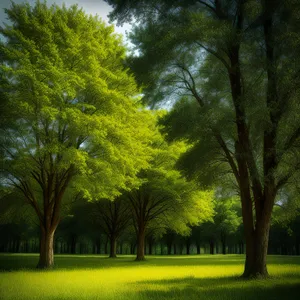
219 288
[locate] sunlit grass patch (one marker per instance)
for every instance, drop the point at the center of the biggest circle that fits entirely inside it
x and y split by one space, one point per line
181 277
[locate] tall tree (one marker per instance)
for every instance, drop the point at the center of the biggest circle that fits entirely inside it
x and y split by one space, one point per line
77 125
234 66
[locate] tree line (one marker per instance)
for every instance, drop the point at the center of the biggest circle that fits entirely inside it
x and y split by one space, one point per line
84 232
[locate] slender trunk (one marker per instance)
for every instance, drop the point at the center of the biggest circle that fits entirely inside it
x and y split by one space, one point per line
297 246
113 246
73 244
46 259
121 247
212 247
188 246
98 243
106 246
223 241
169 246
198 248
175 249
140 245
18 246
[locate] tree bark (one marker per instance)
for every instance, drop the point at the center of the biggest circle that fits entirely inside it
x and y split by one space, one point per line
140 245
198 248
113 247
257 248
46 259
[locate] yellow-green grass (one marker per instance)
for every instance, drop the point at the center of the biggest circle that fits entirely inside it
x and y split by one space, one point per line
160 277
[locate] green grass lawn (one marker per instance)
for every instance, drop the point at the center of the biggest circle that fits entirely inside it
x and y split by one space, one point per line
160 277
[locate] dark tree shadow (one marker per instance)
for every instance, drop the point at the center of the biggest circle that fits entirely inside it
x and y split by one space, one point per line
221 288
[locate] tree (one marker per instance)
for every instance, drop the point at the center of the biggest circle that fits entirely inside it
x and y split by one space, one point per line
77 125
165 199
233 65
113 217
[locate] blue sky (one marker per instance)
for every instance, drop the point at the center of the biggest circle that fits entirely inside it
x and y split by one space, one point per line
93 7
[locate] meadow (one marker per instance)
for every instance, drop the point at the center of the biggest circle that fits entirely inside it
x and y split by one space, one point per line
159 277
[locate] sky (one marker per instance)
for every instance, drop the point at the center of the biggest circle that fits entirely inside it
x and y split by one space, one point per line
93 7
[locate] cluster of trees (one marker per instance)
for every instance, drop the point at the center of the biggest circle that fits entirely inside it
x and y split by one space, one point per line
231 71
107 227
74 128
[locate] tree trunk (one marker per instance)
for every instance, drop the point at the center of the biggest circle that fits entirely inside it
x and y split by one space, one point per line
212 247
73 244
175 249
188 246
113 247
223 241
169 246
106 246
140 245
46 259
257 248
198 248
98 242
297 246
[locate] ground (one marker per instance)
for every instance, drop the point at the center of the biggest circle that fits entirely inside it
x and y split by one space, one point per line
159 277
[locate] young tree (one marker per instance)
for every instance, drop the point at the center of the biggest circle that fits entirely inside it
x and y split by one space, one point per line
113 217
166 199
234 66
76 125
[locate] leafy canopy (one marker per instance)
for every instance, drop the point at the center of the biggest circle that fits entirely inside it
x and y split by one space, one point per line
76 116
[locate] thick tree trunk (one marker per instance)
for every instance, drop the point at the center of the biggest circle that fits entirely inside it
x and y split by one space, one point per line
257 248
113 247
46 259
140 245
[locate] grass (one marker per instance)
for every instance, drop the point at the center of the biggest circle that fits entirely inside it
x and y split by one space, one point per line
159 277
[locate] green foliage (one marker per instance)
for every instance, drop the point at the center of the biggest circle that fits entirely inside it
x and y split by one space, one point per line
166 199
76 115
